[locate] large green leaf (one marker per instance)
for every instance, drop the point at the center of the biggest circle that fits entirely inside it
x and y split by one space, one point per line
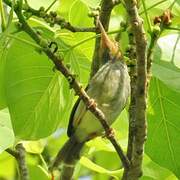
79 65
7 166
95 167
152 171
156 8
166 64
37 172
3 52
163 126
34 147
37 4
76 18
32 90
6 131
37 97
92 3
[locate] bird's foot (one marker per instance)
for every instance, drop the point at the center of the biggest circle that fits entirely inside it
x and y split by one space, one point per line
110 133
92 103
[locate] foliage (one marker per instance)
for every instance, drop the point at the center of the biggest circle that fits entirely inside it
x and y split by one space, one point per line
39 99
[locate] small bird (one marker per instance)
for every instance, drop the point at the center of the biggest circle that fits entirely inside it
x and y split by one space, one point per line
110 89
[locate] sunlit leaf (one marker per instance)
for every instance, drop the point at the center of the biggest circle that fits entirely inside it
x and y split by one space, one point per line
3 52
6 132
35 147
166 64
7 166
75 18
32 90
156 8
153 171
100 144
37 4
38 172
92 3
89 164
163 126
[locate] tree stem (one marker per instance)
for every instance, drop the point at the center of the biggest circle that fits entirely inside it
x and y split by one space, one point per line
135 171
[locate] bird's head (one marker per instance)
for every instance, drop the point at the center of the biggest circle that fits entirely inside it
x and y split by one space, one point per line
107 43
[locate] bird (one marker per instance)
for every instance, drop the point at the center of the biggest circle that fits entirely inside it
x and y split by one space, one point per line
110 89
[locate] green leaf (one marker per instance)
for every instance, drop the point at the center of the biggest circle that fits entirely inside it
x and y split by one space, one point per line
163 126
37 4
79 65
36 171
76 18
166 64
92 3
152 171
32 90
37 97
161 7
35 147
92 166
100 144
76 58
7 166
6 132
3 52
121 124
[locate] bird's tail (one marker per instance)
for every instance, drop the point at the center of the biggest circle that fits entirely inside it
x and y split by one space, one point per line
67 156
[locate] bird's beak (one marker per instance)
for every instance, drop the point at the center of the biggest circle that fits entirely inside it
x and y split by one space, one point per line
106 42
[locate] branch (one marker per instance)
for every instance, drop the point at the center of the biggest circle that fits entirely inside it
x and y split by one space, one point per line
12 153
133 75
58 62
51 18
135 141
135 170
19 155
173 28
21 162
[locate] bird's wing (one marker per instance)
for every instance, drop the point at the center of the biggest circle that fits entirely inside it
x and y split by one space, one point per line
70 129
80 114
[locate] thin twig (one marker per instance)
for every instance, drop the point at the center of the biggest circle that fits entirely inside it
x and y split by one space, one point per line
150 52
173 28
95 36
58 20
50 6
68 26
151 7
12 152
147 16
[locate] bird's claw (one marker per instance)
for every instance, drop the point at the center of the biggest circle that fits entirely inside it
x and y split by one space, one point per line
92 103
110 133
